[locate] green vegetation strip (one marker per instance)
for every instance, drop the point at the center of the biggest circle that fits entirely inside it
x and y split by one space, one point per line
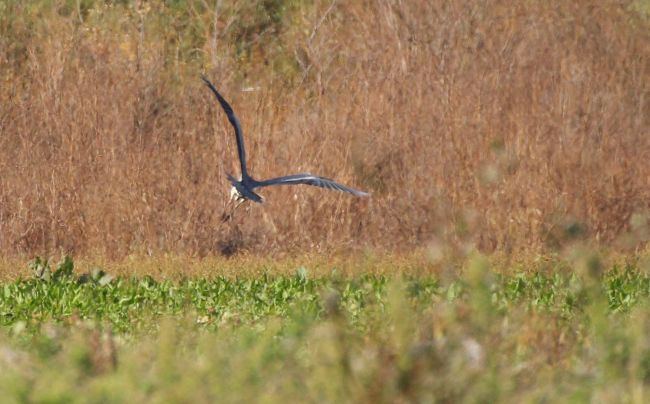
128 304
481 336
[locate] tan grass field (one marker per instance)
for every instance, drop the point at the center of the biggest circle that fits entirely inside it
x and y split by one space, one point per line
506 126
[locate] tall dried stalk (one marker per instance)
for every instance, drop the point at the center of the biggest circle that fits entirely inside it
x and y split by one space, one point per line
504 126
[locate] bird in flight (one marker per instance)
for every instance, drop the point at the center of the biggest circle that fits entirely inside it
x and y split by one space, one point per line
243 189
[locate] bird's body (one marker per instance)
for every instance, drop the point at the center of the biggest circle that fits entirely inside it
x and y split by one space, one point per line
242 188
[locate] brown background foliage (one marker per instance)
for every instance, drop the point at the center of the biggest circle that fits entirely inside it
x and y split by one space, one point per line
505 125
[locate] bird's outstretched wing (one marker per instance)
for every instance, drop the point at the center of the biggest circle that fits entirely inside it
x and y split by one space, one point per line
235 123
310 179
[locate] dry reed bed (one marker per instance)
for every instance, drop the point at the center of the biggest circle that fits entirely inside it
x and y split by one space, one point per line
505 126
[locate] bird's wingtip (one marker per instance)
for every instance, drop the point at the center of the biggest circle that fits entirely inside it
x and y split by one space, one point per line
205 79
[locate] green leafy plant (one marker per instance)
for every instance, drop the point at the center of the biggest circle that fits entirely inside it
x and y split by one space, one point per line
40 269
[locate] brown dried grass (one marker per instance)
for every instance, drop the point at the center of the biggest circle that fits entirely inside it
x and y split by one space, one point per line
506 126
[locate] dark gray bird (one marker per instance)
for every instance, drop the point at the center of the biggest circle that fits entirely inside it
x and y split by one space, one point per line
242 189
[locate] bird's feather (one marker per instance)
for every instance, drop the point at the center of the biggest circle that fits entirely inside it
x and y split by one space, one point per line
309 179
235 124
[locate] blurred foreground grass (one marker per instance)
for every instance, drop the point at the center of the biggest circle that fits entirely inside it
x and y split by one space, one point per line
578 334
